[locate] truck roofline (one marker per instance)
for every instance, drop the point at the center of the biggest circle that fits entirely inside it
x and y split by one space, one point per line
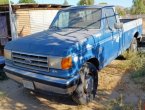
88 7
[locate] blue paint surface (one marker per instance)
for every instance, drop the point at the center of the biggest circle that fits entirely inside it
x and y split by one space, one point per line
81 44
2 60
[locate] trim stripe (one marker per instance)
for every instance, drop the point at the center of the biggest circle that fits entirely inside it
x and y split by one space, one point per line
105 40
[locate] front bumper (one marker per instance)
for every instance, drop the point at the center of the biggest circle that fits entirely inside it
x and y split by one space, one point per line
43 82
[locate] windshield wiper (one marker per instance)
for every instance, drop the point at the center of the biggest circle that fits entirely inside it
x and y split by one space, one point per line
78 27
54 27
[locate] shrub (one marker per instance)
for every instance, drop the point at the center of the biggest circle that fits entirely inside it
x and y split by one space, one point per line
137 64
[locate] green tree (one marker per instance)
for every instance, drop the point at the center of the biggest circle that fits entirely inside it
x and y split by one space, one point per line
103 3
121 11
65 2
12 2
27 1
144 2
127 10
4 2
86 2
138 7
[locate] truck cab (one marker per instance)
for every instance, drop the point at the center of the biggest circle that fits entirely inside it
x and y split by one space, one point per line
66 58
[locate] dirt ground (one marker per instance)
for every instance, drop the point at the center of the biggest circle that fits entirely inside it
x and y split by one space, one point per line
115 89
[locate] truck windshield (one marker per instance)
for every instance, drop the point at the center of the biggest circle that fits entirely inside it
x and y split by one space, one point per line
77 18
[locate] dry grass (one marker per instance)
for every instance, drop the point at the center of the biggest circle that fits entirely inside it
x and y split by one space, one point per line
143 23
117 90
134 66
137 63
117 104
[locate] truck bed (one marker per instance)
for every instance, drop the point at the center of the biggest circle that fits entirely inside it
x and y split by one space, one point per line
129 24
127 20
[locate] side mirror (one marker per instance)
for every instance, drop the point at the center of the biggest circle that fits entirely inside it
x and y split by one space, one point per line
118 25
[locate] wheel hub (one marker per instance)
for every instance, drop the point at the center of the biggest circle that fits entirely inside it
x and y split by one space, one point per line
88 86
134 46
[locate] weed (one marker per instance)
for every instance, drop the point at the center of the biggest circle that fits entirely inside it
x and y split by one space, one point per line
136 64
2 95
129 55
117 104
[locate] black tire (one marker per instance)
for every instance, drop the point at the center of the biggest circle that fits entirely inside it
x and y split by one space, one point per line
2 75
134 46
87 87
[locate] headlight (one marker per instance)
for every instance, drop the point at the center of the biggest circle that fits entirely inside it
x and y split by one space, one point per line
60 63
8 54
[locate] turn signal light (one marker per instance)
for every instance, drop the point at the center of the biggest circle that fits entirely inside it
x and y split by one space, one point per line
66 63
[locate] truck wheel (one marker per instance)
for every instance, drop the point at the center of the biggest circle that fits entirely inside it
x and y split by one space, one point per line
134 46
87 87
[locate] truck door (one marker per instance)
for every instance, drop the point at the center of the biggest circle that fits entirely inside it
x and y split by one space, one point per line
105 47
116 33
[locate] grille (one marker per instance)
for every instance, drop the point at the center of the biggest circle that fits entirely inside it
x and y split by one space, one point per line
33 62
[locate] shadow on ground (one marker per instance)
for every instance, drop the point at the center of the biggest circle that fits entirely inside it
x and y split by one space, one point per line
115 88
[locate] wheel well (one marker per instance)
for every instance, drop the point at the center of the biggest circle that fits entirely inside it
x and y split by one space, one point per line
136 36
95 62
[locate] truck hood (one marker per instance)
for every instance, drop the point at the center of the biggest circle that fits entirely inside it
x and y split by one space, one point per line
51 42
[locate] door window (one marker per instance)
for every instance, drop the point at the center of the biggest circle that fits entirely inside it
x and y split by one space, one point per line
110 17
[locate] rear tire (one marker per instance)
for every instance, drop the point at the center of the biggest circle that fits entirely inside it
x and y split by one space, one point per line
134 46
87 87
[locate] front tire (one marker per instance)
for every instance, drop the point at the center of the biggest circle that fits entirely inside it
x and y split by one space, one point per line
87 87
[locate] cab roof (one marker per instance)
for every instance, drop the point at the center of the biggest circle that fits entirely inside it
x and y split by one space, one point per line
87 7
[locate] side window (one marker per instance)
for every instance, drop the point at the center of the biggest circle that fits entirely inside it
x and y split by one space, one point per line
110 16
106 24
63 17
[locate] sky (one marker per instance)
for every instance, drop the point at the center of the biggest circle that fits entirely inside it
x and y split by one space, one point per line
124 3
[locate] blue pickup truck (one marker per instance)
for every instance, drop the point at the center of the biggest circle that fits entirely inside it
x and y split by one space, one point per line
66 58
